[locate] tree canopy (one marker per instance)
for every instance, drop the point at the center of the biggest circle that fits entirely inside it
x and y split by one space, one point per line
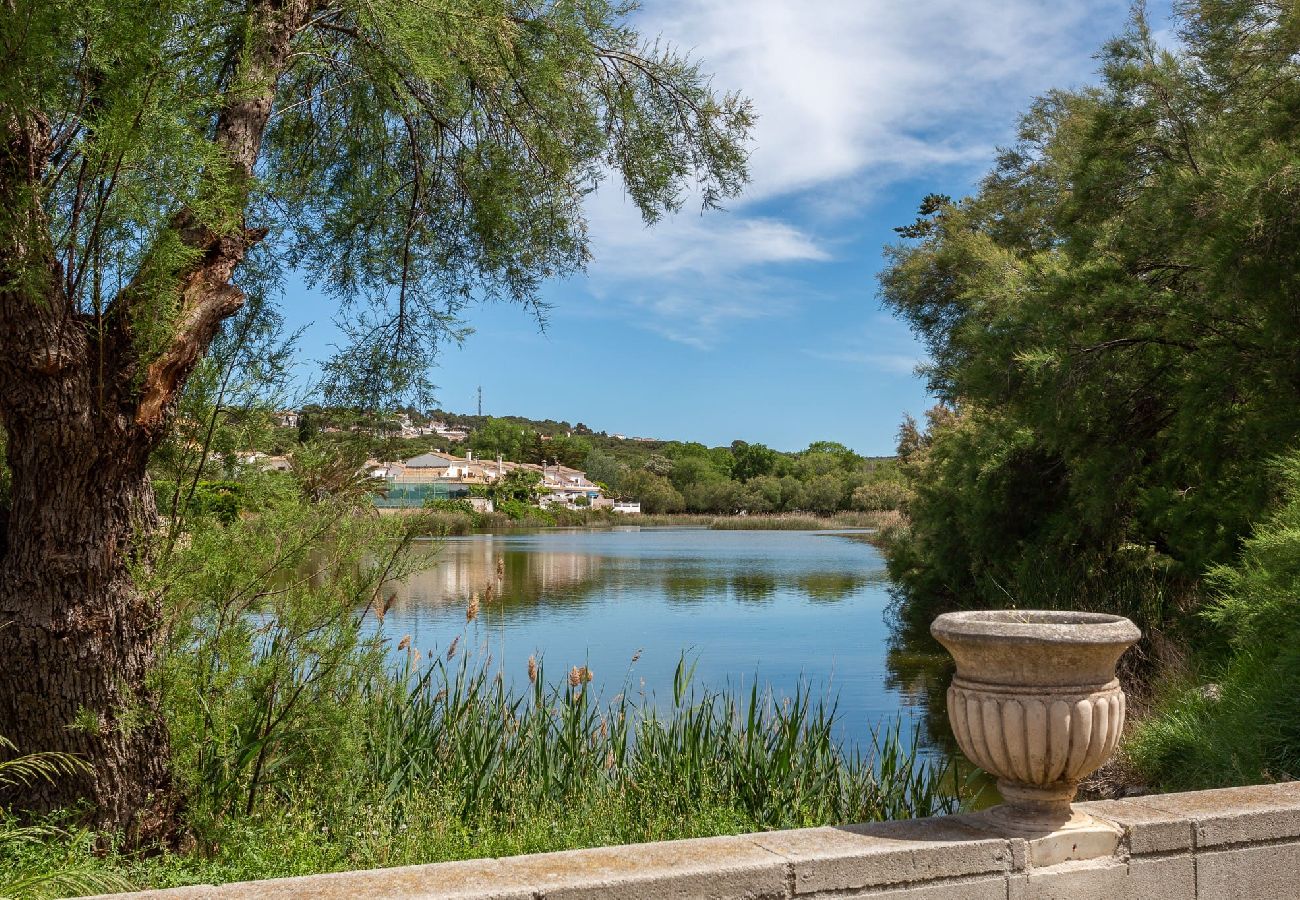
1112 320
165 162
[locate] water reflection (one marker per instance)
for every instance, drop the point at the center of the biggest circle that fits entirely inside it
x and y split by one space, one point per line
777 606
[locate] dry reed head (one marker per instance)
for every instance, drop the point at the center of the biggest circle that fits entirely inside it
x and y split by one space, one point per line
579 675
501 567
404 643
451 648
532 669
471 611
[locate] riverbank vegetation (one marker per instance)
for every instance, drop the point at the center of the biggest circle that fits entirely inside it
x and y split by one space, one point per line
452 517
1112 322
665 476
299 747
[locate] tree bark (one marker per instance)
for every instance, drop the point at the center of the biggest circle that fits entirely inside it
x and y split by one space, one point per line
79 638
83 407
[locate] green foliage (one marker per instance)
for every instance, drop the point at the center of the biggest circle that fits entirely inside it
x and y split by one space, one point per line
301 749
445 505
421 155
264 644
880 496
1111 323
1243 727
501 438
28 868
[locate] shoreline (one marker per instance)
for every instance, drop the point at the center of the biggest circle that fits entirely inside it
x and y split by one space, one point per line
458 523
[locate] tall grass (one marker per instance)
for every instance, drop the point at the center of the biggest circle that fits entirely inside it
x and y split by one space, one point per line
459 729
301 750
449 762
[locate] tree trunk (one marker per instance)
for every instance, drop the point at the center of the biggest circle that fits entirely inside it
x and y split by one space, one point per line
77 638
83 405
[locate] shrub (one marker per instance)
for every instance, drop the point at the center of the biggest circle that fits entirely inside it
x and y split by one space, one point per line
879 496
1234 721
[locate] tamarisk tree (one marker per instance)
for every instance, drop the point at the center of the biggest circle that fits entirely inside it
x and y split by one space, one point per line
161 161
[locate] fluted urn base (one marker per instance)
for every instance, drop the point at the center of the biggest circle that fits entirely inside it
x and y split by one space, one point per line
1040 744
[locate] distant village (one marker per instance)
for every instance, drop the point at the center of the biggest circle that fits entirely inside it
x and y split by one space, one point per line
440 475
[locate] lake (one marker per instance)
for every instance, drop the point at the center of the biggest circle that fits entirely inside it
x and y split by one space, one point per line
782 607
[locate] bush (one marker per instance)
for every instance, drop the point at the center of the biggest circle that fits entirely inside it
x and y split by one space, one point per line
879 496
447 505
1242 727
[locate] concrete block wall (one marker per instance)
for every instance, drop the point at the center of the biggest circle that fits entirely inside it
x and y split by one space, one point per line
1234 844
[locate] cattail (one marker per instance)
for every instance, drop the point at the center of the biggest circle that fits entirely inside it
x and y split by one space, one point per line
579 675
471 611
451 648
532 669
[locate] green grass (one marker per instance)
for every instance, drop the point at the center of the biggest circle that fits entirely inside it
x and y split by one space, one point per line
453 765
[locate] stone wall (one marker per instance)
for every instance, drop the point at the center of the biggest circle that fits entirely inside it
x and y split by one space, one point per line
1234 844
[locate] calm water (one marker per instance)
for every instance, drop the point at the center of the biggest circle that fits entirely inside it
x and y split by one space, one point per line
776 606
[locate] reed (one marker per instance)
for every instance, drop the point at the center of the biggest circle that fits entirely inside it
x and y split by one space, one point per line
458 730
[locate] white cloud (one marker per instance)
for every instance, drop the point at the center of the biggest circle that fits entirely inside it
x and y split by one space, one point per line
852 95
842 86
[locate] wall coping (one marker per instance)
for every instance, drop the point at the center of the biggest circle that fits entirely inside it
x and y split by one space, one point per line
950 857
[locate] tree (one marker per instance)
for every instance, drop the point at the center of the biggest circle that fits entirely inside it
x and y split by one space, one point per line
516 486
162 161
1112 320
752 460
499 438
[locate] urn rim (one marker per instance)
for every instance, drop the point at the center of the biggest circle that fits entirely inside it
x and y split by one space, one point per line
1035 626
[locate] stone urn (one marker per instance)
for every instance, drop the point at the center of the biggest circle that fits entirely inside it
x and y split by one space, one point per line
1036 703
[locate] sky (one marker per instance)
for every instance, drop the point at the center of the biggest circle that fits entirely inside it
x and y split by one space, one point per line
762 322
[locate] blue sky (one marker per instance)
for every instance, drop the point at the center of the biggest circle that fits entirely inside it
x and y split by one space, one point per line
762 322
